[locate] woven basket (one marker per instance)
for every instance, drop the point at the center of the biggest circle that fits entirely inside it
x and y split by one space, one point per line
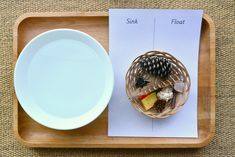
178 73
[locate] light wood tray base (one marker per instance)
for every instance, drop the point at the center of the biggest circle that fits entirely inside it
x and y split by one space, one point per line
93 135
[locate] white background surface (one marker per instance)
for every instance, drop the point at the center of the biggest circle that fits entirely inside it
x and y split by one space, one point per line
154 31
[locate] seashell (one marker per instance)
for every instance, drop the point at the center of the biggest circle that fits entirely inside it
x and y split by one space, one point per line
180 99
179 86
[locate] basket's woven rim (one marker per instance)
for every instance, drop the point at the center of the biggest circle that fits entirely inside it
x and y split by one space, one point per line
136 102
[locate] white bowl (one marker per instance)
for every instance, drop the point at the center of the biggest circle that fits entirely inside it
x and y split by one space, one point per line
63 79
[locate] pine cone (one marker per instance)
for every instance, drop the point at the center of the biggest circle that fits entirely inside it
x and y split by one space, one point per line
156 66
160 106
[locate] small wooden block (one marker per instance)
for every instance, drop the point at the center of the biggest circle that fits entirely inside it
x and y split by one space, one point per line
149 100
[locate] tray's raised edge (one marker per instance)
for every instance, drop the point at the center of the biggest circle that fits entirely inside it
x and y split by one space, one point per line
15 101
203 143
212 101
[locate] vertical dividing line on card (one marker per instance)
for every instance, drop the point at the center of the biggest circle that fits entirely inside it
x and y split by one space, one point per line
152 125
154 24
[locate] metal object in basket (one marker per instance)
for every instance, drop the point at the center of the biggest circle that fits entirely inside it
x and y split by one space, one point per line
177 83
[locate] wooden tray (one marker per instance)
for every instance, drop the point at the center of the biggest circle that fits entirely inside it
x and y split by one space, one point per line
93 135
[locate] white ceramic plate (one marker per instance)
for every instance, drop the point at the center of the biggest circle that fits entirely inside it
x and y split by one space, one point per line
63 79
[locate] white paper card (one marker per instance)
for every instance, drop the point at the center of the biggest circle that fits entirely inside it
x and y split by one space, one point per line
135 31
